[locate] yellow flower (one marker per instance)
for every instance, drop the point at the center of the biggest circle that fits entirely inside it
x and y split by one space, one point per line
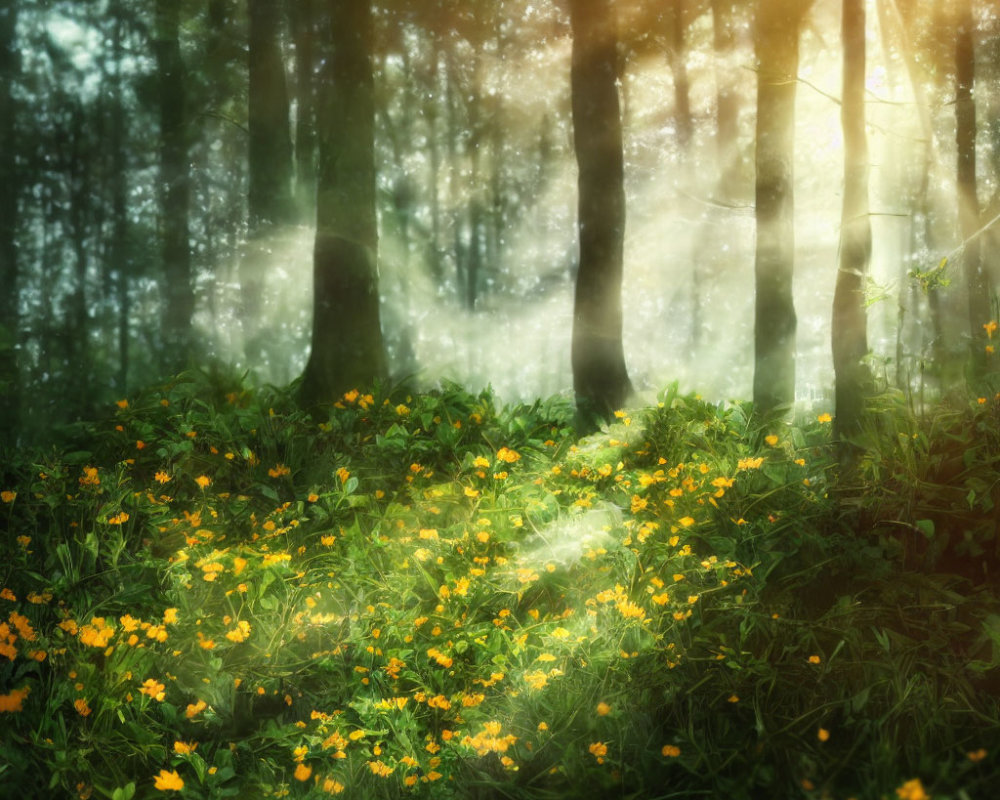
154 689
194 709
912 790
240 632
302 772
814 659
203 481
671 751
598 750
168 781
771 440
330 786
12 701
8 496
823 734
278 470
507 455
80 704
990 328
121 403
686 522
976 756
184 748
824 418
603 709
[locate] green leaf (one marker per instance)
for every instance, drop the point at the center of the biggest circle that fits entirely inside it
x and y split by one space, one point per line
926 527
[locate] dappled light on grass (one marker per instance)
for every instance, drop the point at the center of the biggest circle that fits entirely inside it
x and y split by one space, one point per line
420 594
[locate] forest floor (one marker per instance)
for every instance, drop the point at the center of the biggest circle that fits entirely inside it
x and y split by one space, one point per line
210 593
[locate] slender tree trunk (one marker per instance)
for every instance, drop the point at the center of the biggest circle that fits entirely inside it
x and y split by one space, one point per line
434 148
118 253
677 58
727 102
9 179
270 144
977 282
175 187
301 16
849 330
78 321
347 346
600 378
777 44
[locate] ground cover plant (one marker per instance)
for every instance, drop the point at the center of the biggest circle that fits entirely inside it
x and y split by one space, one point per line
211 593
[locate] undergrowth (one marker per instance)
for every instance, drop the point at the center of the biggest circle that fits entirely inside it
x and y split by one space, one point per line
211 593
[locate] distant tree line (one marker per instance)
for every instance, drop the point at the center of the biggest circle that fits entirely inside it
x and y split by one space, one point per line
148 156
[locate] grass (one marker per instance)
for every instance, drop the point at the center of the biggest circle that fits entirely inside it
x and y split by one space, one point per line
211 593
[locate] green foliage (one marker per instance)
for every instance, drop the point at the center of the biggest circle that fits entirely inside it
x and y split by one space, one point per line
212 593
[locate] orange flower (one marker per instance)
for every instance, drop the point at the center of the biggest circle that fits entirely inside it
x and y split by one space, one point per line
154 689
12 701
203 481
168 781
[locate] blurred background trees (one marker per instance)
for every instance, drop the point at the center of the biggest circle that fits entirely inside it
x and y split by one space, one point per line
159 165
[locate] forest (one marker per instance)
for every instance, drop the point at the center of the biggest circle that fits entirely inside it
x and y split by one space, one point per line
500 399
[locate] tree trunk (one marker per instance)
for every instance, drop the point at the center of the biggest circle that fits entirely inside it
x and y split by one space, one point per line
852 377
175 183
270 144
9 179
777 43
677 58
347 347
727 102
600 378
301 16
976 279
118 252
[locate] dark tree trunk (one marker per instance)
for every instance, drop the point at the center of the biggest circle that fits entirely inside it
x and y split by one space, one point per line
777 43
175 187
77 328
118 252
677 57
270 144
600 379
301 16
977 282
347 347
727 102
852 378
9 179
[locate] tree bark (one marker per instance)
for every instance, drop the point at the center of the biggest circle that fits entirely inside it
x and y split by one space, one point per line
852 377
677 58
9 179
175 186
600 378
347 345
270 144
727 102
777 44
301 16
976 280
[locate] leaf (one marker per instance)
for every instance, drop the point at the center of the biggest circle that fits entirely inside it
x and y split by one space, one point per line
926 527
